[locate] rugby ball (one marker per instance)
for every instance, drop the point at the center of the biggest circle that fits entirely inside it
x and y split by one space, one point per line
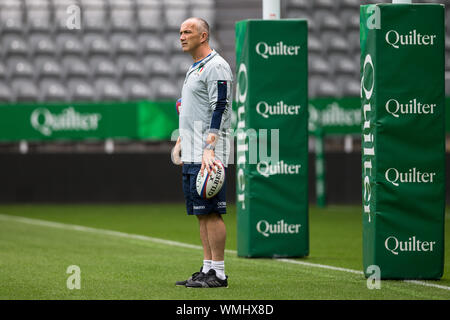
210 184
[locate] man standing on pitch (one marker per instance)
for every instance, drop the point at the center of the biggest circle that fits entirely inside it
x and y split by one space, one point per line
205 118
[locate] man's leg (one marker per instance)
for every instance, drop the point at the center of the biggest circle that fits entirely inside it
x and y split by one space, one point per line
188 188
216 238
213 237
207 256
216 231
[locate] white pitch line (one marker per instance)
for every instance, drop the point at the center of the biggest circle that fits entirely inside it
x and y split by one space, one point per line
323 266
75 227
66 226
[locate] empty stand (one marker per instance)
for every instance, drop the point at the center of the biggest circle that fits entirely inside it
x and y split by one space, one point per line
130 49
124 49
334 43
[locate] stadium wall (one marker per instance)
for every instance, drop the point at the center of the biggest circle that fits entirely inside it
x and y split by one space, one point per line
126 178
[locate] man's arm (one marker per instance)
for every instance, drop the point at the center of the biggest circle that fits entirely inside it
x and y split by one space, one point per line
218 93
175 155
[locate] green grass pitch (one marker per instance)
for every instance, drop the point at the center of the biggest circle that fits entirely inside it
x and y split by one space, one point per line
35 254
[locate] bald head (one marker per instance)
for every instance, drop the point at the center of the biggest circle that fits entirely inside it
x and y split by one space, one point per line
200 24
194 37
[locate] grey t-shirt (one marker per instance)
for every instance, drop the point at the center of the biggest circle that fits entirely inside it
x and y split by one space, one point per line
206 107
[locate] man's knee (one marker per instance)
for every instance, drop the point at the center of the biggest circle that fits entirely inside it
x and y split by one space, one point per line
209 217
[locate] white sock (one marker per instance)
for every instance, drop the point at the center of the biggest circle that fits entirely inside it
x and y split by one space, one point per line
206 266
219 267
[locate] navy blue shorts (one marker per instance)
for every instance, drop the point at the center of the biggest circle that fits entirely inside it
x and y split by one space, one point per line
195 204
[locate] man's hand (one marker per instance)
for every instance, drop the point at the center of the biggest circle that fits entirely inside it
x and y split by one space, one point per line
175 155
208 159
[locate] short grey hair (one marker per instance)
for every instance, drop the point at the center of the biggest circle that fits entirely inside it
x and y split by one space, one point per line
202 26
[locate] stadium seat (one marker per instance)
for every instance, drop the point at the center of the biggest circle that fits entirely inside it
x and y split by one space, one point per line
173 18
204 10
20 68
314 44
25 90
336 42
93 4
131 67
48 67
36 4
303 5
164 89
103 67
39 20
157 66
350 4
179 83
60 19
125 4
313 84
69 44
97 44
11 4
319 66
94 19
447 63
447 42
14 45
181 64
172 42
144 4
122 19
137 90
75 67
64 3
108 90
6 94
327 88
11 20
353 40
53 91
350 19
325 4
204 3
350 86
150 43
42 44
149 19
124 44
344 64
3 72
81 90
313 26
328 20
214 44
176 11
447 86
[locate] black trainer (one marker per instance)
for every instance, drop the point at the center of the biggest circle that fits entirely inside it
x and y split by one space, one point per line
195 276
210 280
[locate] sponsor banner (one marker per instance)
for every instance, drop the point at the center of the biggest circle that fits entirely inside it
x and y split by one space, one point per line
335 116
412 244
271 108
78 121
266 229
403 139
156 120
344 116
